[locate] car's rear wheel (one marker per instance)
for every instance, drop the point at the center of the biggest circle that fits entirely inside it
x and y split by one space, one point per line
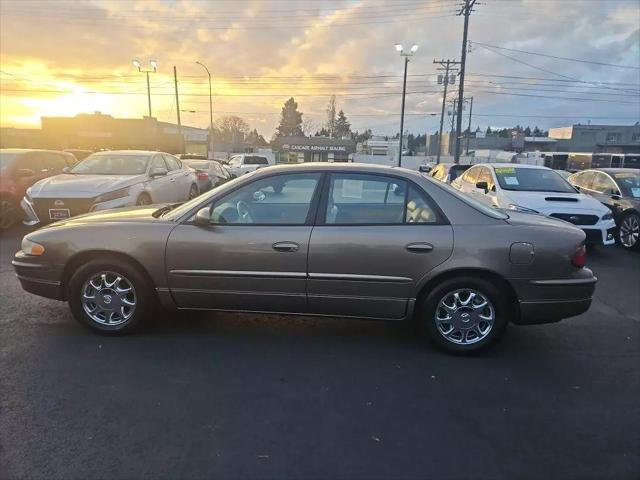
629 231
144 199
463 314
110 296
8 213
193 192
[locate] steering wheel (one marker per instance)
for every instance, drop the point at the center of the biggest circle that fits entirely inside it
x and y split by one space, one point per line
243 212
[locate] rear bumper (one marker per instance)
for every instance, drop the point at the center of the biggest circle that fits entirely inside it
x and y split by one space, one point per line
549 301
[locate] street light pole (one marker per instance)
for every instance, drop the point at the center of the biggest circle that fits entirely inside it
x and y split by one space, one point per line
154 69
406 56
210 111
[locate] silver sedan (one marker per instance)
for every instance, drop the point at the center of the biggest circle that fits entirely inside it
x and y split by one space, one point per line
350 240
109 180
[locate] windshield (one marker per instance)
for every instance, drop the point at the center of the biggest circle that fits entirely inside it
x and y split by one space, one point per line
477 205
112 164
7 159
532 180
629 183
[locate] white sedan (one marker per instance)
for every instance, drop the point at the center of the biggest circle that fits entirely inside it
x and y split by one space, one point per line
536 189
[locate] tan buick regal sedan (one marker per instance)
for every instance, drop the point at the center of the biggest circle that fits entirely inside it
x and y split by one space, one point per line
344 240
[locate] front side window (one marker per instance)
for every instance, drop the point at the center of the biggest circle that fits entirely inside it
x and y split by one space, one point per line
112 164
172 162
531 180
356 199
54 161
471 175
275 200
157 163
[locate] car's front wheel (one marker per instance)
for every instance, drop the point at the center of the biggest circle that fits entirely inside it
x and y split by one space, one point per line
629 231
109 296
463 315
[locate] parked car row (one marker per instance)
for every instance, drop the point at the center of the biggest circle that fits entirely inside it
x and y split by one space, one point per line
107 180
604 203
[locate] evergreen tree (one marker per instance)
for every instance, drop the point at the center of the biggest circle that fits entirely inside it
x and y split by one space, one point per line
489 131
331 116
527 132
255 139
343 127
290 120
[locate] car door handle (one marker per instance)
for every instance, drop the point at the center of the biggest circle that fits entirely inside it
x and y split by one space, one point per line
419 247
286 247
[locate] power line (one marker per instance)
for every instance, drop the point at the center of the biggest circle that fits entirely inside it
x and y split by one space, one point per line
555 56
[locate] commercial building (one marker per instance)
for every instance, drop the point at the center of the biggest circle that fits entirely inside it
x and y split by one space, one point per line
597 138
98 131
313 149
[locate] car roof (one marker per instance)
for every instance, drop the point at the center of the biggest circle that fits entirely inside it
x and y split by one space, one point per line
617 170
513 165
350 167
128 152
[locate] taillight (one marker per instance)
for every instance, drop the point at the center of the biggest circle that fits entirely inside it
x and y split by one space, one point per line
202 175
579 258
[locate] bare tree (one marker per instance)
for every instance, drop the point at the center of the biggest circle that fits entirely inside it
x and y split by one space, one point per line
232 128
309 126
331 116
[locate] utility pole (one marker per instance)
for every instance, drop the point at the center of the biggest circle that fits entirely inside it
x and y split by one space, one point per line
454 102
446 67
469 127
181 138
466 10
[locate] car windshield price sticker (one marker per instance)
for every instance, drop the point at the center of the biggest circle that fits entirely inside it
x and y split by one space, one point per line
635 191
511 180
505 170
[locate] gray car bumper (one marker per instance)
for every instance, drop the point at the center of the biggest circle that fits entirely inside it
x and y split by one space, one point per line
548 301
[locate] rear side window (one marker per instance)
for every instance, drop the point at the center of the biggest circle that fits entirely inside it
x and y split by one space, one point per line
457 170
357 199
256 161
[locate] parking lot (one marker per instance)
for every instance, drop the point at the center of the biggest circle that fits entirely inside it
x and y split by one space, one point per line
247 396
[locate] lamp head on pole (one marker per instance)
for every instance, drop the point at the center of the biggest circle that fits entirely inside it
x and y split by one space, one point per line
154 65
136 63
399 47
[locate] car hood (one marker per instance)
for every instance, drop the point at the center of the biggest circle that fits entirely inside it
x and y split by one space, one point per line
69 185
125 214
553 202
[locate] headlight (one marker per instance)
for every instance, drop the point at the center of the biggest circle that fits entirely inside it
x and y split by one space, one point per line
518 208
105 197
607 216
31 248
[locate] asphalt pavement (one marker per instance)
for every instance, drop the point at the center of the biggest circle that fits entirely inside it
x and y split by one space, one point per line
211 395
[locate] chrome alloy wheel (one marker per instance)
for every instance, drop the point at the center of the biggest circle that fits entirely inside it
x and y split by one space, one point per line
464 316
108 298
629 231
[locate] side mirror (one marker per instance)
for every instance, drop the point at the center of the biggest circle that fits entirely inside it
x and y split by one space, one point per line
158 172
483 186
25 172
203 217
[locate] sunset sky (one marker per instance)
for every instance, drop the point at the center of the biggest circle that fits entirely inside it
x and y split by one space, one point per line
62 57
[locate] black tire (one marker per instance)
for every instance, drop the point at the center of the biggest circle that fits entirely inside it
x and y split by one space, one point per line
8 213
428 308
143 294
630 220
144 199
193 191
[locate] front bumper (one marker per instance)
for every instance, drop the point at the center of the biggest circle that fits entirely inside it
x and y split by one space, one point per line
37 277
34 219
549 301
602 233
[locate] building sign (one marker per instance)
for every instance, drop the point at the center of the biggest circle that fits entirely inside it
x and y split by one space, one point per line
314 148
